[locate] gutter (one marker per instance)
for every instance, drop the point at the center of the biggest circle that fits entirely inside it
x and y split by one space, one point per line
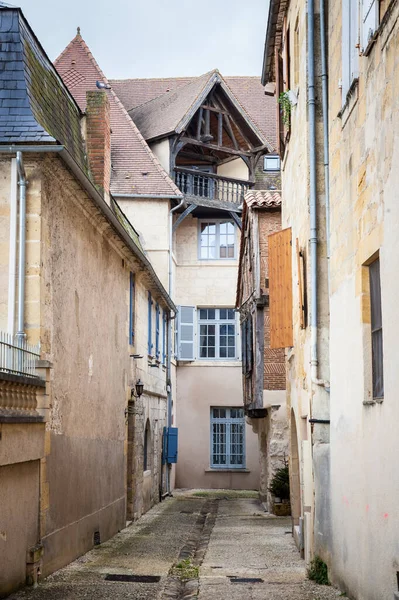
149 196
100 204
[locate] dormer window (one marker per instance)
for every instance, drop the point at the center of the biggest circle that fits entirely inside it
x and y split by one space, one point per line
271 162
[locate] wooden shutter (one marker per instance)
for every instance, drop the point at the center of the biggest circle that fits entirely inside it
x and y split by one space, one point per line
186 333
370 20
280 289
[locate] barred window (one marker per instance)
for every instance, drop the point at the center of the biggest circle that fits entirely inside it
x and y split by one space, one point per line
227 438
217 333
376 329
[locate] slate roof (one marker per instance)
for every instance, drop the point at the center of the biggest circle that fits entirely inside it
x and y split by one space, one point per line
262 199
35 106
135 169
248 91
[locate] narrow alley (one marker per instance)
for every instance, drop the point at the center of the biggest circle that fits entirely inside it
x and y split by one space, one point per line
211 546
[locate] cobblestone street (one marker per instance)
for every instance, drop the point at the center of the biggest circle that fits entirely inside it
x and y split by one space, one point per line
214 547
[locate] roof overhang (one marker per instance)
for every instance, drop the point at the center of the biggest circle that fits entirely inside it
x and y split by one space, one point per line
277 10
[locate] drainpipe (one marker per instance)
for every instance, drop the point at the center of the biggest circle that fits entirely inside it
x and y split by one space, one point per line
12 269
22 235
171 317
314 362
324 84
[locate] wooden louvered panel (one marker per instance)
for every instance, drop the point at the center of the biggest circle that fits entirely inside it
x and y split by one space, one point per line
280 289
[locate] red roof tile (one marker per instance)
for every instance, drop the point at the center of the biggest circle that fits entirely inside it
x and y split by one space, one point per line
135 169
262 199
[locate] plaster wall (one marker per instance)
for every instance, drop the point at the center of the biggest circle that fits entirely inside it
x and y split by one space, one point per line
364 221
161 150
305 399
150 218
237 169
199 388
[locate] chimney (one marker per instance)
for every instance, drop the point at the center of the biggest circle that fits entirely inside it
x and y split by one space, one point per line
98 139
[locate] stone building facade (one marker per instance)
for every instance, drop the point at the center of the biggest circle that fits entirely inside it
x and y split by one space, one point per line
263 368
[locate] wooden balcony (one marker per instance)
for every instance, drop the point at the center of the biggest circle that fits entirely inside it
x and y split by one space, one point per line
213 189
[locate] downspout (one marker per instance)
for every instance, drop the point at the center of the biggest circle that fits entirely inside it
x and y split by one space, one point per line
21 260
324 84
171 317
314 362
12 270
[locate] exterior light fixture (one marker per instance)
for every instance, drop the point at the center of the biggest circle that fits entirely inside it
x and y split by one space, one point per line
139 389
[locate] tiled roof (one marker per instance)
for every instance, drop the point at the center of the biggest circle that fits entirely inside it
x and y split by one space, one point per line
135 169
262 199
35 106
248 91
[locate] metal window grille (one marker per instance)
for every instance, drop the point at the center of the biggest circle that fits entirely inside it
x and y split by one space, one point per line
217 333
17 357
227 438
376 330
217 240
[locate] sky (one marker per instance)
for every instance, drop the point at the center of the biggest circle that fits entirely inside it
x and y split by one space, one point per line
156 38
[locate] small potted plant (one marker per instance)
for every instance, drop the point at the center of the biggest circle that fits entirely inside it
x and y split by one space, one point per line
280 490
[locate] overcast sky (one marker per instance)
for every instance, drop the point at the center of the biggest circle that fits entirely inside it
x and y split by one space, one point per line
156 38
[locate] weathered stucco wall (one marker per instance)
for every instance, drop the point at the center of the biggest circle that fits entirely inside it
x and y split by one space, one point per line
364 221
235 168
199 388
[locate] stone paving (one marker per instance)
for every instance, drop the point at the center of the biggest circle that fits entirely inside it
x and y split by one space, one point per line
216 547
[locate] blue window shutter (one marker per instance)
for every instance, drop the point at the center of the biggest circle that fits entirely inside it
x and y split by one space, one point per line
164 338
150 344
131 310
157 313
170 445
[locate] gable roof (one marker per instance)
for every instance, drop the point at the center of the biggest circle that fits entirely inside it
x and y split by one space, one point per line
172 112
135 169
249 92
35 105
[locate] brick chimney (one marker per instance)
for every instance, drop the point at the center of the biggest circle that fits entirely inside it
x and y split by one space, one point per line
98 139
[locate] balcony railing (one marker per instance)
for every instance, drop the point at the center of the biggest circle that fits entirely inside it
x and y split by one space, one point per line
210 186
17 357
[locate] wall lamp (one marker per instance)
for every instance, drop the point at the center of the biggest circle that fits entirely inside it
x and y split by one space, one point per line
139 389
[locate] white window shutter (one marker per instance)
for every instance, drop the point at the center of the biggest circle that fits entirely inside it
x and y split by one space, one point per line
370 21
186 332
345 49
354 40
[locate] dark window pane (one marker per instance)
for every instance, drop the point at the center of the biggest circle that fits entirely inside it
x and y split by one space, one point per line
378 374
223 353
203 313
211 313
231 352
211 352
230 314
376 330
375 295
222 314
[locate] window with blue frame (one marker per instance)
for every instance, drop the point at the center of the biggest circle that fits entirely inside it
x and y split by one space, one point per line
164 324
157 331
131 309
150 344
227 438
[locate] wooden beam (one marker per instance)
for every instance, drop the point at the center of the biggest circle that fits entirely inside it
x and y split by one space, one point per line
207 122
200 157
183 215
222 104
212 108
230 131
220 129
236 219
199 123
225 149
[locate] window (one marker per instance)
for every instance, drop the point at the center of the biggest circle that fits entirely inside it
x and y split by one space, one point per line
164 324
271 162
157 331
131 309
217 240
376 329
227 438
150 344
350 40
217 333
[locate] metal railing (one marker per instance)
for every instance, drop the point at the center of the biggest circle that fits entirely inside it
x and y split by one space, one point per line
18 357
210 186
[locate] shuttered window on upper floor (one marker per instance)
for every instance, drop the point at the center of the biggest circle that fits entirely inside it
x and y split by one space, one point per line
350 45
280 288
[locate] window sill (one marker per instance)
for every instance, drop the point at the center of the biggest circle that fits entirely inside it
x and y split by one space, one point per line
209 363
228 470
350 102
373 402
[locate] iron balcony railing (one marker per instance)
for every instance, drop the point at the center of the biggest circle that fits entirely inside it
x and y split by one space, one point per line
18 357
210 186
